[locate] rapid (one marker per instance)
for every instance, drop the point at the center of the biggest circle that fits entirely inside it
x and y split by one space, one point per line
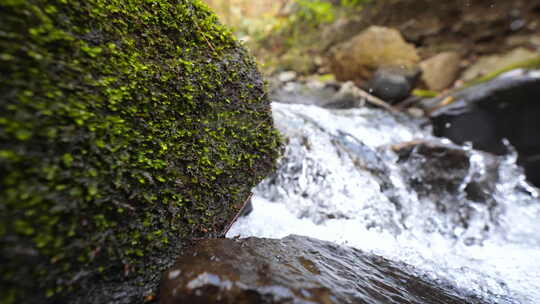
381 182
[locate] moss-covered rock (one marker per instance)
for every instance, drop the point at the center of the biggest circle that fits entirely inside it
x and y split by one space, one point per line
126 126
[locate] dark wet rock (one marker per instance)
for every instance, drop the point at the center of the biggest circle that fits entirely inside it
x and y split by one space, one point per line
331 95
370 160
303 93
433 169
393 84
343 103
504 108
457 183
296 270
363 157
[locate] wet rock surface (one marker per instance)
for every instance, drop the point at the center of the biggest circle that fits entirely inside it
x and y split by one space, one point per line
310 93
296 269
456 179
351 176
433 168
393 84
488 113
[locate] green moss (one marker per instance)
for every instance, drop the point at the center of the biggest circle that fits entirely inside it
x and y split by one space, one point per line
125 127
533 63
424 93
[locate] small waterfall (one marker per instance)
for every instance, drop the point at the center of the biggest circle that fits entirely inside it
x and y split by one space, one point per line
380 182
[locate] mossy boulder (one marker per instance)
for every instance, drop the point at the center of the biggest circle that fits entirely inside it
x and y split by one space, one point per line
126 127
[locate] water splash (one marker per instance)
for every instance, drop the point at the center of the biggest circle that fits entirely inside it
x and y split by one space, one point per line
473 222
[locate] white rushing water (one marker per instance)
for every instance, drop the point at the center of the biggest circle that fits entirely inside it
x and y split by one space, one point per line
339 180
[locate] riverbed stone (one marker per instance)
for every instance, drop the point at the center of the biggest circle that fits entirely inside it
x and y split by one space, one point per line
448 181
489 113
434 169
125 128
440 71
377 46
393 84
487 65
296 269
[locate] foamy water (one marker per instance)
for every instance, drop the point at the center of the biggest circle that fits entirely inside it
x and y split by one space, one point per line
339 181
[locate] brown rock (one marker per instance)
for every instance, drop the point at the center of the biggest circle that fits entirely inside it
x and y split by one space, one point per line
415 29
490 64
357 58
339 31
295 269
439 71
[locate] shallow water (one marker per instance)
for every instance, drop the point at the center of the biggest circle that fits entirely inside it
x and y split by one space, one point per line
341 180
300 270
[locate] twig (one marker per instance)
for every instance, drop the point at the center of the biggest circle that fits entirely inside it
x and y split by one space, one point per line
202 34
376 101
444 102
248 199
359 93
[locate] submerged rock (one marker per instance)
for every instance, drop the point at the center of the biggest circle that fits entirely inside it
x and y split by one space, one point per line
125 128
460 181
296 270
433 168
486 114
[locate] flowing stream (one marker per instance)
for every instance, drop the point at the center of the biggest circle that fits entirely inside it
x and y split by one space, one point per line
340 179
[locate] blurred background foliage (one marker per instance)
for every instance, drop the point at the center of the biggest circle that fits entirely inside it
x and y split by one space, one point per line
283 33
